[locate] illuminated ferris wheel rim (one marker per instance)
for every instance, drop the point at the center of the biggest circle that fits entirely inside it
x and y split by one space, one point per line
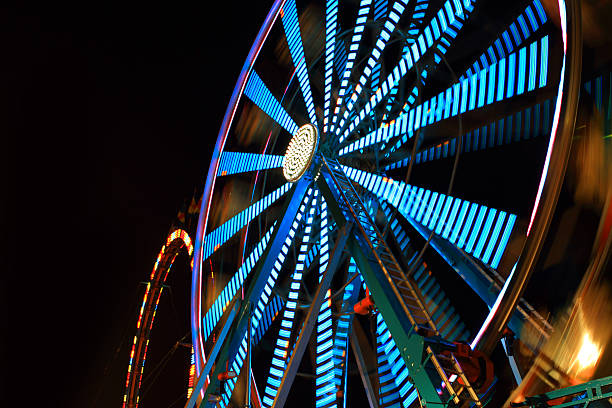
175 242
213 170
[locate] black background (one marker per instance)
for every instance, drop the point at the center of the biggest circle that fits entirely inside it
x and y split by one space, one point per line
109 114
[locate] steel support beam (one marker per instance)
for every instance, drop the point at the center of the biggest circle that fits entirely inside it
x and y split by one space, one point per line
311 318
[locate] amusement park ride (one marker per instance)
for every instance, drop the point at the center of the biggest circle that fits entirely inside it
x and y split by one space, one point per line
386 189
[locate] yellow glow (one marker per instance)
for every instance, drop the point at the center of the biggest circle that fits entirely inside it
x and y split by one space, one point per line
589 352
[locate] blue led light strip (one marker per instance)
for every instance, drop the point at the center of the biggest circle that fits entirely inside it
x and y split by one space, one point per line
268 306
269 314
388 28
510 39
395 389
257 92
325 394
493 84
416 26
451 29
331 26
343 329
523 125
259 314
238 162
380 12
282 349
340 59
417 19
296 49
362 16
471 234
375 80
445 318
440 25
229 291
221 234
380 9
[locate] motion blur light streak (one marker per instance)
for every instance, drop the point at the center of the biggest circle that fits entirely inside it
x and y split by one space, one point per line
589 352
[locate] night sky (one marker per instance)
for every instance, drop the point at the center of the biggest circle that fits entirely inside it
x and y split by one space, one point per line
110 115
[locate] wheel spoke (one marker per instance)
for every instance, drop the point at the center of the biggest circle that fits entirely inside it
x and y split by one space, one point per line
523 125
216 238
259 93
325 386
283 342
510 39
270 312
238 162
343 329
503 80
416 26
340 59
261 303
308 324
468 225
362 16
380 12
331 26
260 286
381 42
392 371
365 357
445 24
214 313
296 49
484 285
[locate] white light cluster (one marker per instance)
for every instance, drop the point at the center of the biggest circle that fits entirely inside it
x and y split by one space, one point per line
300 151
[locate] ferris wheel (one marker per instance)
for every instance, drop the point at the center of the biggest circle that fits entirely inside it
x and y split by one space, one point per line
177 241
378 194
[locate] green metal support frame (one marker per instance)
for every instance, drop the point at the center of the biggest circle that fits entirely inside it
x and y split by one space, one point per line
591 391
410 344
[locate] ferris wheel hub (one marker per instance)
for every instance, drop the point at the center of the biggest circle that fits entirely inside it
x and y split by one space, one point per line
300 152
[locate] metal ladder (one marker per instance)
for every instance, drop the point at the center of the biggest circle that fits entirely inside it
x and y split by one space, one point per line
446 365
444 315
405 288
